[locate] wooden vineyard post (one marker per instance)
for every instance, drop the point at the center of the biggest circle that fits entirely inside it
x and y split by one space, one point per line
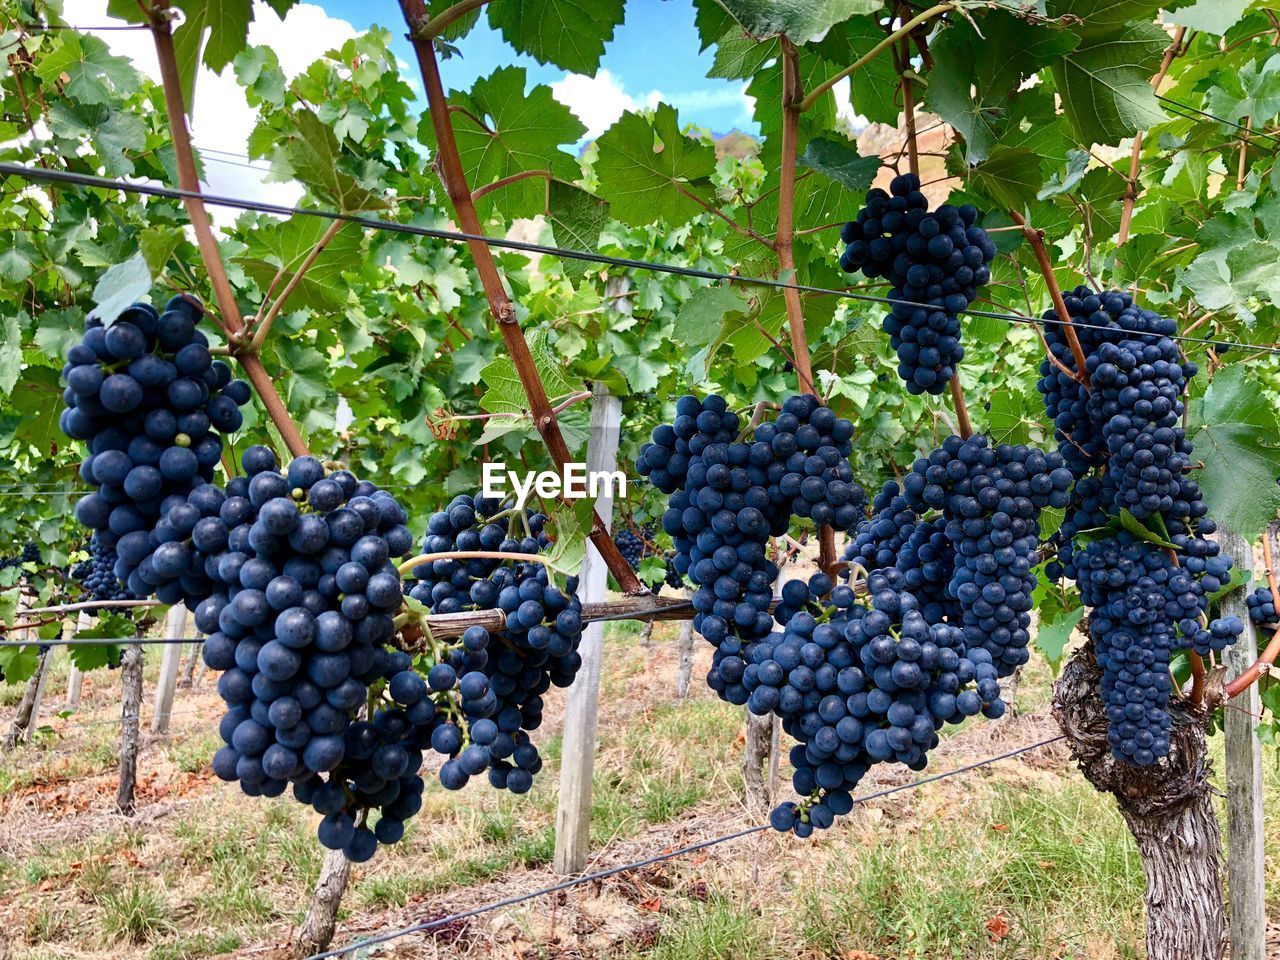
573 815
1246 874
684 669
75 680
130 722
24 718
175 626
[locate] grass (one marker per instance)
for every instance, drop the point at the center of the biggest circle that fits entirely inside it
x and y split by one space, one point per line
1009 864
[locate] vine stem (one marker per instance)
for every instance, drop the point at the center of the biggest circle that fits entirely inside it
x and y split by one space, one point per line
295 281
875 51
1036 239
909 105
1272 650
228 312
449 166
792 104
1135 155
506 181
962 409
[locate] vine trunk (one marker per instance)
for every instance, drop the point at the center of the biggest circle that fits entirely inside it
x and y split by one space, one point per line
1168 807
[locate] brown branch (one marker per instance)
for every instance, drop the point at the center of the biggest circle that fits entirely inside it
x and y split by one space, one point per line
487 188
264 327
455 108
449 165
962 409
1135 155
1242 169
228 310
713 209
792 104
1036 239
909 110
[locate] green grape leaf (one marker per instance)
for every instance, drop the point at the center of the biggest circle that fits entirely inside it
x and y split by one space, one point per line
1010 176
1013 414
505 392
315 157
226 25
94 656
576 219
93 74
1068 180
1209 16
652 570
799 22
571 34
1232 277
507 130
17 257
157 244
1105 83
739 56
570 524
702 316
840 162
651 170
258 71
974 83
873 87
1103 14
10 352
287 245
1236 431
37 400
1140 530
113 133
18 664
1251 90
120 287
1052 636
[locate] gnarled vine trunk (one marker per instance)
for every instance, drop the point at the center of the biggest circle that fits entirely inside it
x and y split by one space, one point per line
1168 808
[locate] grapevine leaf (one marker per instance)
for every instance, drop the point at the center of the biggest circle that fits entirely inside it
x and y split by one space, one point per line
1011 416
874 85
1251 91
1103 14
652 171
576 219
1235 430
1209 16
507 130
1232 277
506 392
226 22
1052 636
1011 176
36 399
93 656
1136 527
840 162
1077 165
18 664
89 71
10 353
258 71
287 245
315 156
571 34
1236 579
157 244
702 315
739 57
652 570
17 257
712 21
799 22
975 81
571 520
1105 82
120 287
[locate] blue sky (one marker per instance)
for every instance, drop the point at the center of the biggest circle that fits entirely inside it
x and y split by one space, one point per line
656 49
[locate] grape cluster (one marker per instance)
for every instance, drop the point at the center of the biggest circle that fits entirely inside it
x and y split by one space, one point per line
304 590
30 554
814 445
487 695
991 498
858 685
935 262
149 400
1123 439
698 424
632 546
98 574
1262 606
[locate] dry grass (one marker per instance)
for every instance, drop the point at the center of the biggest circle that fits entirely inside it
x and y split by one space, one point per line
1020 860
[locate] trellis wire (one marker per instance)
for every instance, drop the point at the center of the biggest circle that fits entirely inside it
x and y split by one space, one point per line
451 236
657 858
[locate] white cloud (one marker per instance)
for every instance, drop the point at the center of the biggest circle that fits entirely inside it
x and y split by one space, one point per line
221 118
597 101
600 100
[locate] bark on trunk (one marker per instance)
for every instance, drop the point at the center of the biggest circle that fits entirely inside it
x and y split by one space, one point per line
1009 694
24 717
189 671
1168 808
646 635
130 707
316 931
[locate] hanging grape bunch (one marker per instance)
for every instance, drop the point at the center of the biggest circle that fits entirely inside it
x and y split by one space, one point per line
149 401
934 261
483 695
1262 607
1122 437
